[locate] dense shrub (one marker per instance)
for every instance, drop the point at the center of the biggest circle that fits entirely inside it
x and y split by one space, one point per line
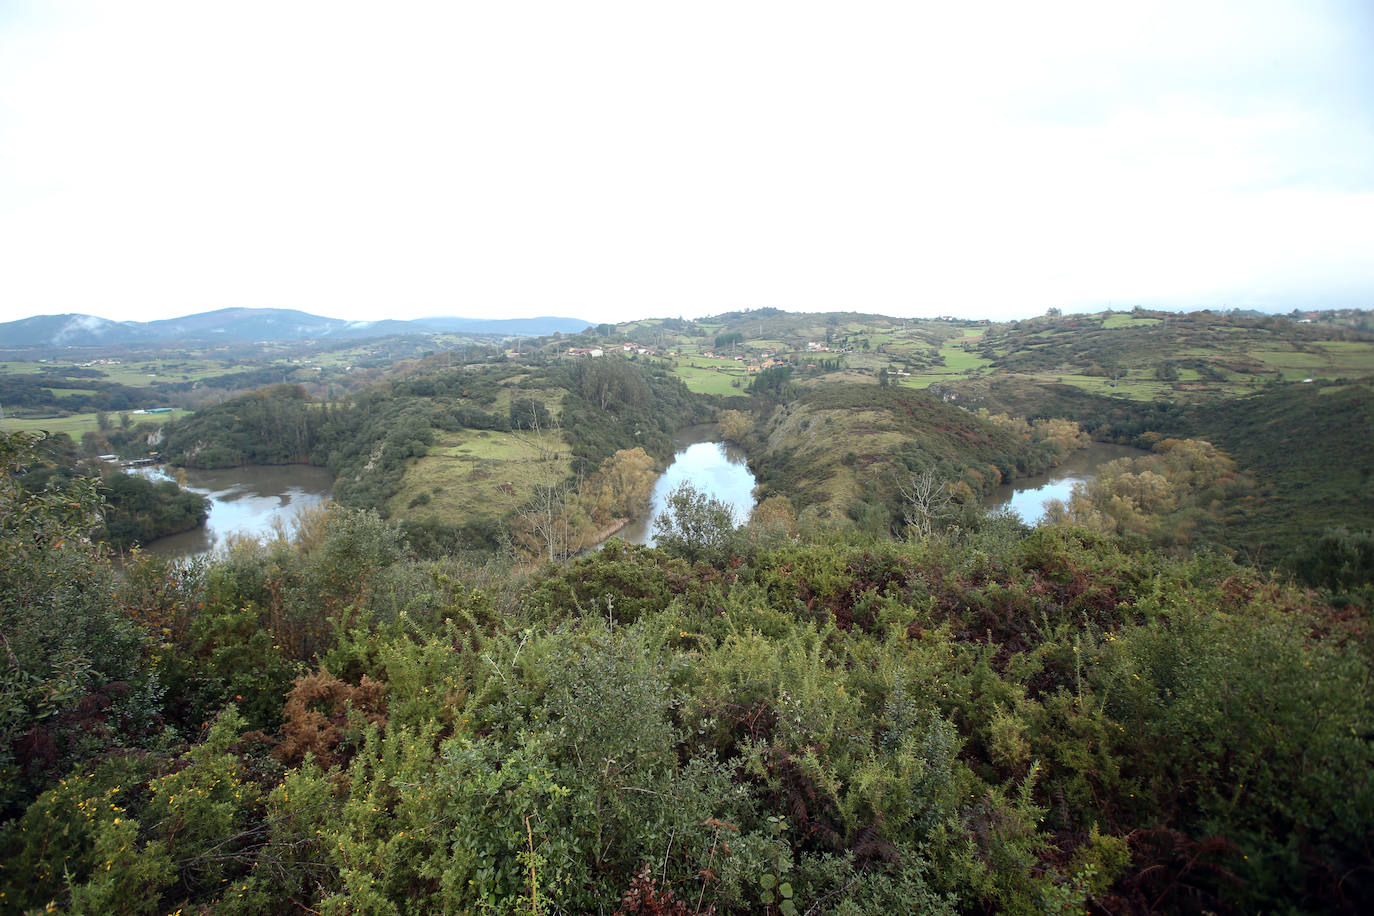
993 722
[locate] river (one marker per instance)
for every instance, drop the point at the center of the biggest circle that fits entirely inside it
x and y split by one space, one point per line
1027 496
249 500
720 470
715 468
253 500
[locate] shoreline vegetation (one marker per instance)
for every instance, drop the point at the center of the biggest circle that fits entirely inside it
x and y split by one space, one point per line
871 697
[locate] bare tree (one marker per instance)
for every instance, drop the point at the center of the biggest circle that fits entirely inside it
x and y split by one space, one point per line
528 429
553 522
544 519
926 499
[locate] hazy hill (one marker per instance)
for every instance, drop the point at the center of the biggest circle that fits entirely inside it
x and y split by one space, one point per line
72 331
243 324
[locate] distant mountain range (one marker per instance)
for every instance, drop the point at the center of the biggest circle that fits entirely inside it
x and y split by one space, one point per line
241 325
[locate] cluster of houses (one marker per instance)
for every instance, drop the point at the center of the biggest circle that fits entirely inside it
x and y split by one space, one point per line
751 363
621 348
767 363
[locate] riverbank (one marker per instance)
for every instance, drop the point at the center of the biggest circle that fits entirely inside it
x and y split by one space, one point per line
716 468
252 500
1027 496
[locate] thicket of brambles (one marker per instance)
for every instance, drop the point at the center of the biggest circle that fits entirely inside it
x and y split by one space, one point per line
781 718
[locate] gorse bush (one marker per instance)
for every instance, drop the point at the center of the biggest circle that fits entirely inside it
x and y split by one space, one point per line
996 721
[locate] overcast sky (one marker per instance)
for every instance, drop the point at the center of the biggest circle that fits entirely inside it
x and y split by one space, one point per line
617 160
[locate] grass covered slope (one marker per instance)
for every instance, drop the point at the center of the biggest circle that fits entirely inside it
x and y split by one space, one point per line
479 476
1139 355
1312 446
1146 355
840 446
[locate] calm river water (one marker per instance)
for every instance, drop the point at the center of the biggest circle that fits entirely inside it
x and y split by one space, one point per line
717 469
247 500
1026 496
253 500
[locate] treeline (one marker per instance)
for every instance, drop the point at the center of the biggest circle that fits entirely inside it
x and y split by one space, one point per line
1187 492
48 394
798 720
614 404
280 425
138 511
1305 445
132 510
245 379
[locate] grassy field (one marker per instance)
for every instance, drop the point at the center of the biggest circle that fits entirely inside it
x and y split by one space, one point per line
1206 355
143 374
1135 389
470 475
959 359
1127 320
13 367
712 380
1327 359
78 424
959 362
133 374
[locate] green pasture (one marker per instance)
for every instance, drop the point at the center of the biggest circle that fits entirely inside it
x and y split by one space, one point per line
510 390
711 381
925 379
1290 359
1134 389
1361 351
75 425
470 474
958 359
1330 358
1348 358
714 363
22 367
909 344
1127 320
145 373
78 424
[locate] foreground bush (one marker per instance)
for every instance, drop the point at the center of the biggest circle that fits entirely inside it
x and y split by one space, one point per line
1011 723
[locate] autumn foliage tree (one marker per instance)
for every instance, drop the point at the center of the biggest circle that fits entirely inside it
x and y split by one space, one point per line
1184 487
734 425
621 487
